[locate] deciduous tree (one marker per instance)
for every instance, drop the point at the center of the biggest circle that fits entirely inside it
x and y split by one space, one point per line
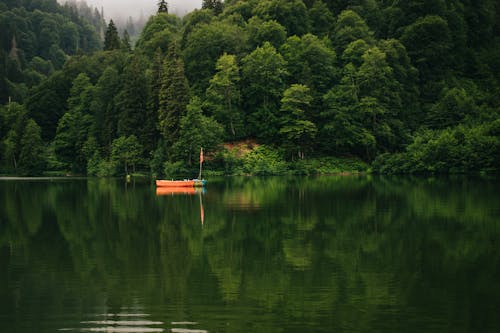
263 75
297 129
223 94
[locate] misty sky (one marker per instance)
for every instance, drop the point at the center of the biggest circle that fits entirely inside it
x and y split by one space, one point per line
126 8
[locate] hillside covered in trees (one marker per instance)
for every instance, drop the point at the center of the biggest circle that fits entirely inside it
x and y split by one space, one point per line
403 86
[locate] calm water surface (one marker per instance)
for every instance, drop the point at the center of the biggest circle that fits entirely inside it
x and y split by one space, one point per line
326 254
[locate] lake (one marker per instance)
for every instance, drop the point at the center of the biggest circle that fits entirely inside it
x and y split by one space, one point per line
318 254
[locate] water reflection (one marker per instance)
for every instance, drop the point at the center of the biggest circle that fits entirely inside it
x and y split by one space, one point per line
345 254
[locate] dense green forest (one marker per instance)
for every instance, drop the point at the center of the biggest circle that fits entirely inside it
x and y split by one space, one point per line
309 86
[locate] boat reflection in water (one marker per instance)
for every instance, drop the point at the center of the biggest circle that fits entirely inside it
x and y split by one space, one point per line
179 190
171 191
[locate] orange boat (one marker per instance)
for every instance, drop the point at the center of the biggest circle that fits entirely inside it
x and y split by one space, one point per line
186 182
181 183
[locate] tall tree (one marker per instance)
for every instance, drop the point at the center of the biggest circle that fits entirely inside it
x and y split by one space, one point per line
297 129
111 38
292 14
31 158
263 76
13 119
74 127
174 95
322 19
350 27
126 151
311 62
133 104
223 94
260 31
125 42
197 130
104 108
204 46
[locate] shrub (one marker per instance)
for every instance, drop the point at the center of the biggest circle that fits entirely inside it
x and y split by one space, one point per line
263 161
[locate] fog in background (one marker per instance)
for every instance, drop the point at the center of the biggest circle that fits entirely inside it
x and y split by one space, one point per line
121 9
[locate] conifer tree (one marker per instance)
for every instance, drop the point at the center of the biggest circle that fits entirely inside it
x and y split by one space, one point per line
174 95
73 128
31 158
126 42
162 7
133 103
111 38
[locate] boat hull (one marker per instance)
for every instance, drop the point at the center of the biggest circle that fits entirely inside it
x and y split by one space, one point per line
181 183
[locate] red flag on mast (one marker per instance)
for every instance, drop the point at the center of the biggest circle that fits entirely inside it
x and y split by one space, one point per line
201 155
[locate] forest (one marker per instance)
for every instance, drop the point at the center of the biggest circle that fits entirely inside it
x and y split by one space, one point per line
264 86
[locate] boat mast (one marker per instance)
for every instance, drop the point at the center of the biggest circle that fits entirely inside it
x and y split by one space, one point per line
201 162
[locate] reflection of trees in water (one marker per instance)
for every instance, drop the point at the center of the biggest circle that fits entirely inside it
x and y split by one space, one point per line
304 249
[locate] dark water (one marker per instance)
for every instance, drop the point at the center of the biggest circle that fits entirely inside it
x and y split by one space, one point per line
327 254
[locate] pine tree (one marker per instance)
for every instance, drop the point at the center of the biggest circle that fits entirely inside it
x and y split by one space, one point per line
111 38
133 103
162 7
126 42
174 95
73 128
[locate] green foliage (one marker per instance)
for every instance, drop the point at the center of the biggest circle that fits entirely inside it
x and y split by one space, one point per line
321 18
126 151
349 28
196 131
31 157
223 95
297 130
291 14
158 32
265 31
452 108
135 118
377 74
263 76
13 121
104 108
215 5
310 61
74 127
205 45
428 42
453 150
328 165
229 161
174 169
173 96
264 161
48 34
111 38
